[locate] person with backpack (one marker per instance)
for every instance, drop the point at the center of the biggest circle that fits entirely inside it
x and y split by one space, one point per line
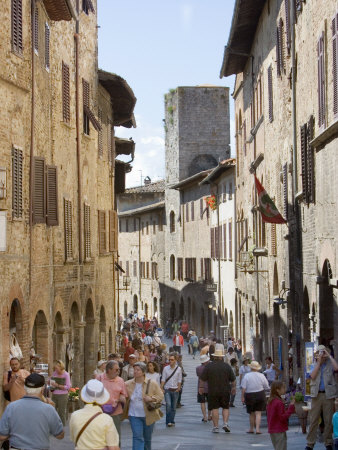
14 380
194 343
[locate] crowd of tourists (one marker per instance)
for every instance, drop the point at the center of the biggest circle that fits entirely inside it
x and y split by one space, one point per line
145 374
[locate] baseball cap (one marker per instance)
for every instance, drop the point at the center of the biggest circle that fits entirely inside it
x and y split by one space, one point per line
34 380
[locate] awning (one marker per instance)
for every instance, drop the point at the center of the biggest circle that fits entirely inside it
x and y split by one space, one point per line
124 146
59 9
122 98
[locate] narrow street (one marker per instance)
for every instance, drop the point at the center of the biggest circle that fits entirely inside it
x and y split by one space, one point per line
191 433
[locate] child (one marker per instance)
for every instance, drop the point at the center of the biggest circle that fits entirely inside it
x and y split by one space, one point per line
278 416
335 425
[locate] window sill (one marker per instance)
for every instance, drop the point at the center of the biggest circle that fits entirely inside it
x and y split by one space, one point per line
325 136
67 125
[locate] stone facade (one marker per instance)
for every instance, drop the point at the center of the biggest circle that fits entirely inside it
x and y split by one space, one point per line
58 280
275 96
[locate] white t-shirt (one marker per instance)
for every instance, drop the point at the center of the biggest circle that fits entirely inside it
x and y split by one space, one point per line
154 376
136 407
254 382
270 372
243 370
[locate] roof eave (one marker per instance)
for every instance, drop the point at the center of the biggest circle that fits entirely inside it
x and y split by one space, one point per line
217 171
58 10
189 181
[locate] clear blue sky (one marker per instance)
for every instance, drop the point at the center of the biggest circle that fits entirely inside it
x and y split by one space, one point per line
157 45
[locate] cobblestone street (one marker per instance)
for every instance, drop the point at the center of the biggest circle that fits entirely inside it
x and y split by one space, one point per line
191 433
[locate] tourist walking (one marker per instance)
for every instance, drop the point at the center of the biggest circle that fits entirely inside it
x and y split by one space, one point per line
29 422
117 390
202 388
128 370
100 368
234 367
178 342
271 372
194 344
171 385
221 382
243 370
60 383
152 372
323 389
143 397
89 428
14 381
254 385
278 416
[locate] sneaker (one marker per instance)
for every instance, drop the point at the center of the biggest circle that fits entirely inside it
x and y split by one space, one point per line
215 430
329 447
226 428
169 424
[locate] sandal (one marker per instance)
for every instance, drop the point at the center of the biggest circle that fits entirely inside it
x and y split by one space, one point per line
258 432
250 432
204 420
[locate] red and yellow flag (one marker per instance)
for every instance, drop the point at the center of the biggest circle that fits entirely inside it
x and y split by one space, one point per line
267 208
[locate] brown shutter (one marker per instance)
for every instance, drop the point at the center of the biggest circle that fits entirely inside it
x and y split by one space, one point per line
335 63
36 29
120 178
65 93
278 52
285 191
321 82
212 243
39 190
310 161
287 25
273 240
192 211
87 234
270 94
303 145
52 217
47 40
17 173
112 230
102 232
68 229
85 92
230 240
225 241
100 134
17 26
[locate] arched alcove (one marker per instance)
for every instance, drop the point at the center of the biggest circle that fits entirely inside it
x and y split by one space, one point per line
59 349
40 336
172 267
181 309
89 342
15 322
327 306
73 365
306 316
172 222
146 310
135 303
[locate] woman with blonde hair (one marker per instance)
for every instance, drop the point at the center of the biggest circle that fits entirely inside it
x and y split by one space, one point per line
60 384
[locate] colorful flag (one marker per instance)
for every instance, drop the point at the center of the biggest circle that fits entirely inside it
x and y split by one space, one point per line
267 208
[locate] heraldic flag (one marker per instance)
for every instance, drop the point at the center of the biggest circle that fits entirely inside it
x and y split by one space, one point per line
267 208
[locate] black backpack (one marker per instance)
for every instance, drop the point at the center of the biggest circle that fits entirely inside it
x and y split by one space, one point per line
7 394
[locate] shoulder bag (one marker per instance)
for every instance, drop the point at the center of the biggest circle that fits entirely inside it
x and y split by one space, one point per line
154 404
86 425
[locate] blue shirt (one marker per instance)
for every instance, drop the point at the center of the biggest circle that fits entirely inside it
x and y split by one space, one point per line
335 425
321 384
29 422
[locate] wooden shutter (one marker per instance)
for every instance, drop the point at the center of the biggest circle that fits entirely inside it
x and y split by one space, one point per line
278 60
270 94
230 240
224 241
39 190
52 217
310 161
192 211
87 232
68 229
85 92
17 173
285 191
47 40
321 82
273 240
244 137
17 26
112 230
100 134
36 29
187 212
102 232
281 44
287 25
303 151
335 63
65 93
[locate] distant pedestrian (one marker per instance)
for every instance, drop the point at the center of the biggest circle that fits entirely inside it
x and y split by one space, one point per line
271 372
156 340
100 368
278 416
230 354
14 380
29 422
221 382
89 428
202 388
171 384
128 370
194 343
254 385
234 367
60 382
244 369
178 342
153 372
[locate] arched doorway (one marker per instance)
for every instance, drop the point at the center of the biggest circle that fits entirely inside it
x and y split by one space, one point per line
135 303
73 365
102 353
172 311
327 307
181 309
146 310
275 289
155 308
110 341
58 332
189 310
89 342
40 336
15 322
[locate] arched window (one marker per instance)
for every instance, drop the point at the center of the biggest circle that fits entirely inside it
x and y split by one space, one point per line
172 267
172 222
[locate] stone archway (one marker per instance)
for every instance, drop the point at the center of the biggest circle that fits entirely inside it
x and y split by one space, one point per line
102 335
135 303
58 332
172 312
146 310
40 336
110 340
16 322
89 342
327 307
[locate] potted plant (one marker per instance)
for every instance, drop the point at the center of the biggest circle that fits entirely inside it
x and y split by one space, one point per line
73 399
301 413
211 201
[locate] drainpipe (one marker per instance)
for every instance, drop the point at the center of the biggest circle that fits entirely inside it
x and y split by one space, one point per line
78 146
139 256
31 156
294 118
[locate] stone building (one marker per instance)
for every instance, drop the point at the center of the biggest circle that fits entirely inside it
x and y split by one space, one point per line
58 223
284 56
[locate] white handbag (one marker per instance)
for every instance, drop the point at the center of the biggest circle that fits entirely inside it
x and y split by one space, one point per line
14 347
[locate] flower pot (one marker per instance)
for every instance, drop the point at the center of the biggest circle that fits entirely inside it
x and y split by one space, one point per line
73 405
302 415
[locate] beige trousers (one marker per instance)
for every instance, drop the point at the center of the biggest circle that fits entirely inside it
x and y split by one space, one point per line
278 440
320 404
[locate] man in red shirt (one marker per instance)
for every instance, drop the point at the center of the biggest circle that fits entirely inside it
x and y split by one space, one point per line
184 329
129 351
178 342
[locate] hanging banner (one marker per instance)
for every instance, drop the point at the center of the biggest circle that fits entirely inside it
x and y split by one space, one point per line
309 365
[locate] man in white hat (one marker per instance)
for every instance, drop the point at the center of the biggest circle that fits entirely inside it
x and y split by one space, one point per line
202 387
89 427
221 381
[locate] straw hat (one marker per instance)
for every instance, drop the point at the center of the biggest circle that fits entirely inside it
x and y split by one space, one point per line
255 365
101 362
94 392
218 352
204 359
321 348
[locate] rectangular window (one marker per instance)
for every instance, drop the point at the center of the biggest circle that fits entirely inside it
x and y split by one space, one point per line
273 240
87 235
160 222
180 269
147 265
127 225
335 63
225 241
47 41
127 268
17 26
207 269
17 173
68 229
321 82
212 243
190 268
36 30
307 159
270 93
187 212
216 243
192 211
100 133
39 190
230 240
154 226
52 217
134 268
113 232
65 93
147 227
85 91
102 232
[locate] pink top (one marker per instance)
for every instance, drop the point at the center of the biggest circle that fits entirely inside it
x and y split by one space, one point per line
278 416
116 387
68 383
